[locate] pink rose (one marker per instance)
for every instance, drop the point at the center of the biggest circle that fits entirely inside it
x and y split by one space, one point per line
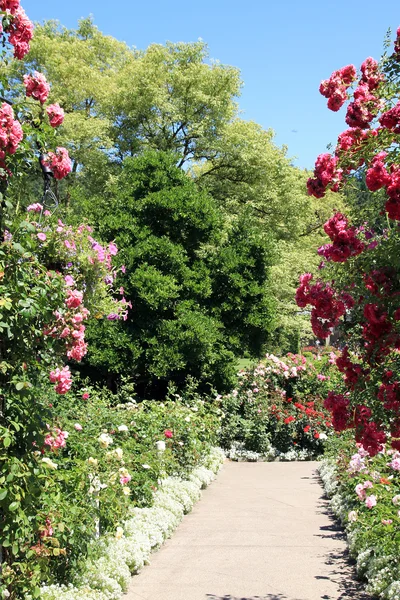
78 427
55 114
370 501
37 86
168 433
42 237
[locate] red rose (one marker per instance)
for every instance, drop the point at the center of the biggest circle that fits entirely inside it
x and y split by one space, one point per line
168 433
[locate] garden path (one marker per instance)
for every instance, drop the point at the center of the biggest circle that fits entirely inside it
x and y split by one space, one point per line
261 531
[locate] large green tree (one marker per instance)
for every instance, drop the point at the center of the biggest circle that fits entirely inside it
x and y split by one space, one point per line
197 283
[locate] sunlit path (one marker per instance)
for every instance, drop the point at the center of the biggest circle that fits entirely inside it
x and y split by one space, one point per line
262 530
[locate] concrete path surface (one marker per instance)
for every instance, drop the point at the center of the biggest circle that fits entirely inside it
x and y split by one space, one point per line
261 531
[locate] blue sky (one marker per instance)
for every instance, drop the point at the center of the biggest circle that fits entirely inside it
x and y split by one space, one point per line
283 49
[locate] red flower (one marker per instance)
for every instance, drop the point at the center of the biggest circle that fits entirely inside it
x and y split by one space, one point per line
288 420
168 433
316 435
307 429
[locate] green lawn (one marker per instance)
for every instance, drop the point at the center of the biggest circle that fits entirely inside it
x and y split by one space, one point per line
244 363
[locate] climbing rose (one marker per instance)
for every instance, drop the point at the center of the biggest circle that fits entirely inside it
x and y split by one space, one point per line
10 132
37 86
391 119
11 5
59 162
62 379
20 32
377 175
74 298
168 433
55 114
326 174
370 73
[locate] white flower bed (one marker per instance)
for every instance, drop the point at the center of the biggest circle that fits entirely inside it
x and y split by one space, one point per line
378 570
107 577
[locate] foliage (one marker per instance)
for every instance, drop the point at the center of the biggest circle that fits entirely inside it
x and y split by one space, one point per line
359 278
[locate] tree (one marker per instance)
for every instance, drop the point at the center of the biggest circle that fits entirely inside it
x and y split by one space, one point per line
180 260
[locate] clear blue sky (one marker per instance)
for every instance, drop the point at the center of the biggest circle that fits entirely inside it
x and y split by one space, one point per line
282 47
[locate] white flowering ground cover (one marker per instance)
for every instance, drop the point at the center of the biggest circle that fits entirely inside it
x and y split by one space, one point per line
369 511
238 452
108 572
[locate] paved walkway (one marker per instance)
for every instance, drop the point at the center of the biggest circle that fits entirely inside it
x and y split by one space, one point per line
261 531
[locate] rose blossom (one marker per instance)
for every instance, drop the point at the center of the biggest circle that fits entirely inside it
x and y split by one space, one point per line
35 207
370 501
59 162
55 114
78 427
37 86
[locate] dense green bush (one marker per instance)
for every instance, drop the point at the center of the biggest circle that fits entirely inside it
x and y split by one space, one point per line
197 284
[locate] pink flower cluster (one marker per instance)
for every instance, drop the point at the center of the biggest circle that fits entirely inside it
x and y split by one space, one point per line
59 162
344 238
10 133
327 307
351 139
62 378
70 326
364 107
377 175
326 174
56 115
371 74
35 207
335 88
391 119
20 28
56 439
37 87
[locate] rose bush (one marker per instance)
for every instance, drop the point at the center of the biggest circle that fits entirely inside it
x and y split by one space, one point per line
365 495
277 409
358 288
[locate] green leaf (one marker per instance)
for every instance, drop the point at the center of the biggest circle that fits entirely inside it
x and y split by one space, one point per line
20 385
13 506
3 494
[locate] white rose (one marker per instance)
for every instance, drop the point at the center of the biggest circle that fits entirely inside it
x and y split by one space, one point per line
105 440
118 452
160 445
123 428
119 533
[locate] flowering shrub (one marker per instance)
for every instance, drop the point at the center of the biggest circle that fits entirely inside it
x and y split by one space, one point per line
128 548
359 284
365 495
277 408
